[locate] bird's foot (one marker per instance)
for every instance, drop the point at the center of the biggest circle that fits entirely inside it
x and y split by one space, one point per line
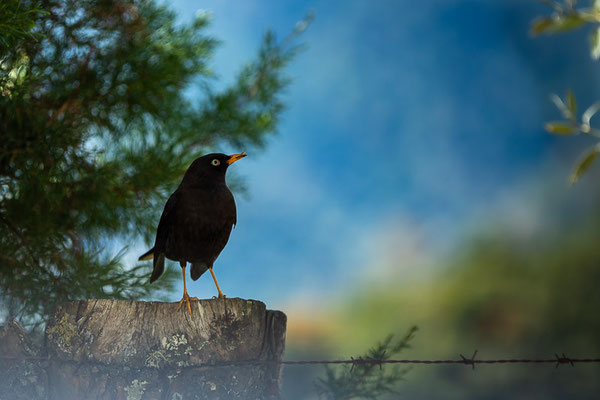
186 297
220 296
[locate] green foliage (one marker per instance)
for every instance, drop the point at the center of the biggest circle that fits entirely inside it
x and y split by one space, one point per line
557 23
366 380
509 289
567 17
96 131
572 126
585 163
17 22
595 43
536 296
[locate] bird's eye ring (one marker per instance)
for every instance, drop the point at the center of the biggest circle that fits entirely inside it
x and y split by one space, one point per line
215 162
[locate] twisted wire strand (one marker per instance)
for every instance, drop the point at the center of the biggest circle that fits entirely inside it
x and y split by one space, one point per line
472 361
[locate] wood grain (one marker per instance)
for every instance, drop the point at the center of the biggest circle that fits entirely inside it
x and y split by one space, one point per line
107 349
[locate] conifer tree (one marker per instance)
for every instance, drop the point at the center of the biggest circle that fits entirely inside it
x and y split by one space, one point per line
96 128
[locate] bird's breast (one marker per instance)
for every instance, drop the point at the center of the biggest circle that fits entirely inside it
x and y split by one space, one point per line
203 223
217 201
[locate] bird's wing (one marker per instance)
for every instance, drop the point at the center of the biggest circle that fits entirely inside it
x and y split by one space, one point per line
234 222
166 219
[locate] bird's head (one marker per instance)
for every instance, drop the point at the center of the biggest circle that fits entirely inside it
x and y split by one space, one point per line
210 168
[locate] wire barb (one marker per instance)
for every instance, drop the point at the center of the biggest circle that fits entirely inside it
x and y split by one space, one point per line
563 360
469 361
354 361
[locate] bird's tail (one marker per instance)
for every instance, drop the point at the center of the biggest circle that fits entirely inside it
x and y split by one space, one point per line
197 270
159 267
147 255
159 263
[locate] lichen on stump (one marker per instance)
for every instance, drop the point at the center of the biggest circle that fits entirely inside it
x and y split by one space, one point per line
105 349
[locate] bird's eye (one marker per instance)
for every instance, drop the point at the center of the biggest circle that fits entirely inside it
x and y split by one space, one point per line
215 162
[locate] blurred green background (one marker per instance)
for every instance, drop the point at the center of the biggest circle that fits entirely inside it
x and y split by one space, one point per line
505 291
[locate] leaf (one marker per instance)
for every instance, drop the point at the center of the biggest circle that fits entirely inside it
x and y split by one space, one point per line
568 22
572 103
585 163
561 128
595 44
557 24
596 6
542 25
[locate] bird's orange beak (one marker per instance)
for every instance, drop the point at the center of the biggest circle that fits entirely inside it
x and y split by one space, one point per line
234 157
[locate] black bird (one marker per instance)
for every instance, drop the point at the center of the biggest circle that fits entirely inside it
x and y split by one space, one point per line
197 221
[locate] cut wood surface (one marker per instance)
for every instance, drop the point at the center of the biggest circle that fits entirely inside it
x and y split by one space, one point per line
131 350
142 334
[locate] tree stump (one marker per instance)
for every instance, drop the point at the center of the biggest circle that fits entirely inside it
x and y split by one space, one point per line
22 370
118 349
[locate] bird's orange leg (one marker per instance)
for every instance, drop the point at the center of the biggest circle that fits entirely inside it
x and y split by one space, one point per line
221 295
186 297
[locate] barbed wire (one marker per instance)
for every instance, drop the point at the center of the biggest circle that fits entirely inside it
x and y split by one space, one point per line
558 360
472 361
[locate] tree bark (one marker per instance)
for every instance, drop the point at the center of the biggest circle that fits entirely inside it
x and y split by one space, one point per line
118 349
22 370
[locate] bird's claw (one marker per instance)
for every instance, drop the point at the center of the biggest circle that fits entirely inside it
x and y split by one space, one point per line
187 299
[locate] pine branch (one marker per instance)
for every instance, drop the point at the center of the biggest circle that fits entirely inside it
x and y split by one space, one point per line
366 380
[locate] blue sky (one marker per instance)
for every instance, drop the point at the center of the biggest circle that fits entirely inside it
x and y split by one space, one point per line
406 122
